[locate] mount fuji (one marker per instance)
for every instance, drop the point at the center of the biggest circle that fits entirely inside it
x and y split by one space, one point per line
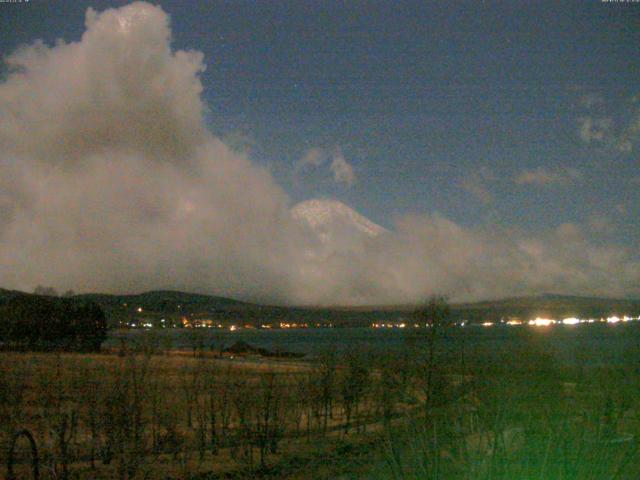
333 222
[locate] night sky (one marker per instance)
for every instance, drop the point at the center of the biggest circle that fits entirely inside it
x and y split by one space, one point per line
496 116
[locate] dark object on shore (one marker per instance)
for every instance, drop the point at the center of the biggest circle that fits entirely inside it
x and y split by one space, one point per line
243 348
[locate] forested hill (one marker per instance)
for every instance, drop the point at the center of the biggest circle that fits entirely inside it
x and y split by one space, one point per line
6 295
167 301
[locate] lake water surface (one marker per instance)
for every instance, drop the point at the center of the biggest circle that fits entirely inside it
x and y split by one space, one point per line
594 344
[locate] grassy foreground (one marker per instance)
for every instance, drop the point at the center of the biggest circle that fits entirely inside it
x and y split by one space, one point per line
420 414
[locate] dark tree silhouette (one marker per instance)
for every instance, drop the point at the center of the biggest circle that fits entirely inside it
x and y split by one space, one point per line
44 323
46 291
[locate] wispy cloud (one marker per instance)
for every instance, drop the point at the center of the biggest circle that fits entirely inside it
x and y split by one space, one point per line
600 223
313 158
477 184
615 128
591 100
593 129
320 161
630 136
342 170
545 177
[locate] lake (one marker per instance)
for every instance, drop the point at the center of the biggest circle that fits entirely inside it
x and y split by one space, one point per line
594 344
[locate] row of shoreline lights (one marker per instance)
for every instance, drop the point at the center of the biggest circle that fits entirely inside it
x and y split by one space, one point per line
545 322
536 322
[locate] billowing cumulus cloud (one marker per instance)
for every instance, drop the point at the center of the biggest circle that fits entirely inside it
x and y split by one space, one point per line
110 181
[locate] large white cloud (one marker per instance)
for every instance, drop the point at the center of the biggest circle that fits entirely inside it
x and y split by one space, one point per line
110 181
113 182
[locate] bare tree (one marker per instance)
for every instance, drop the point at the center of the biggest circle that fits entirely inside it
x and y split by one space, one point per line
326 382
269 416
389 387
124 419
60 413
243 401
433 317
352 386
13 387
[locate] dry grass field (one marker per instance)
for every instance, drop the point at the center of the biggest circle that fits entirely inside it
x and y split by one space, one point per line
134 413
137 415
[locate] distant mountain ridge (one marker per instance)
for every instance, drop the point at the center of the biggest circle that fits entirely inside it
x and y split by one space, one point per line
175 303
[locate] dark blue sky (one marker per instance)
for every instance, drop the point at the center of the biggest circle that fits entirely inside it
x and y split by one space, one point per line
484 112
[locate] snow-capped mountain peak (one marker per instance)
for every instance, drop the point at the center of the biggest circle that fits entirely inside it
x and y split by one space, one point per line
330 218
